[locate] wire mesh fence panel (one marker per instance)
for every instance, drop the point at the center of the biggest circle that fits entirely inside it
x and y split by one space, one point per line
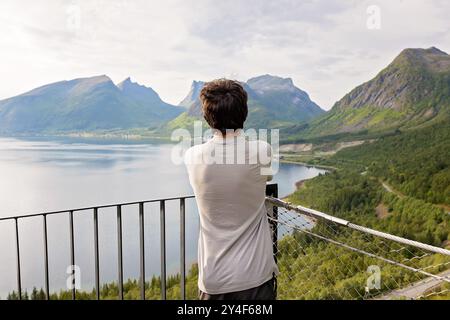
323 257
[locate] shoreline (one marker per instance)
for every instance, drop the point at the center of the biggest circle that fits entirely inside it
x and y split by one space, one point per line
298 185
308 165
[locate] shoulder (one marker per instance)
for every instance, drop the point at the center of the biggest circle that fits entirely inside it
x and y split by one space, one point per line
193 153
261 146
265 146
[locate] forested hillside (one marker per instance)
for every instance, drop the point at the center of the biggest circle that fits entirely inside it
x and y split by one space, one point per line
416 163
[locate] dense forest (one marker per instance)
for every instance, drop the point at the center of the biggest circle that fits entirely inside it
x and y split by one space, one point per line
416 163
110 291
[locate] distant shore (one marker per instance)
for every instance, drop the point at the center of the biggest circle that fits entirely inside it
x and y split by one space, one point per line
132 139
301 183
320 166
298 185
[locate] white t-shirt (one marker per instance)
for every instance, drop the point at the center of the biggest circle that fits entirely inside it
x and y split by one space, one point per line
235 250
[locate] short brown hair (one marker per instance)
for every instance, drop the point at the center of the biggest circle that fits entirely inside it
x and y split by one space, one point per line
224 104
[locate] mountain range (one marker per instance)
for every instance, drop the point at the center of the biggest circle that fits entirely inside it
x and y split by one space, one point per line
87 104
273 102
96 103
412 91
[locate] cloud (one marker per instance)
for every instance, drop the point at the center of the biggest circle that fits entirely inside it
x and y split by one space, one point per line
324 45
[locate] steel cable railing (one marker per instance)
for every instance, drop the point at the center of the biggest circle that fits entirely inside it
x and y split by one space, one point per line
325 257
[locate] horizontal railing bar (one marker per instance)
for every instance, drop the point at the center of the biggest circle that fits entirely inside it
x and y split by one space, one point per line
393 262
320 215
309 212
94 207
398 239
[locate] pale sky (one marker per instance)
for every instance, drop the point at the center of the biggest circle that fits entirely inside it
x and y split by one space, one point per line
326 46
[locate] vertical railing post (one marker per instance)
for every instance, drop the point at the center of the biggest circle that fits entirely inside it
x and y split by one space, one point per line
142 249
19 278
163 248
47 281
97 256
272 191
119 251
183 248
72 255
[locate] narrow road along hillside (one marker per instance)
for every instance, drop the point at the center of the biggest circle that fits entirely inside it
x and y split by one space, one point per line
416 289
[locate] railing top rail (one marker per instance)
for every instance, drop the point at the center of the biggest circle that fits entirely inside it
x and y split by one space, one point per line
94 207
320 215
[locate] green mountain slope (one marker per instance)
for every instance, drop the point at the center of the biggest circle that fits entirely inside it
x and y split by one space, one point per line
414 90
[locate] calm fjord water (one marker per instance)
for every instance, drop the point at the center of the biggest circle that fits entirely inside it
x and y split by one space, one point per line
38 175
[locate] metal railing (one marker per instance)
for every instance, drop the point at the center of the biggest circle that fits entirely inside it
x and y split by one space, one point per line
325 257
95 213
300 235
